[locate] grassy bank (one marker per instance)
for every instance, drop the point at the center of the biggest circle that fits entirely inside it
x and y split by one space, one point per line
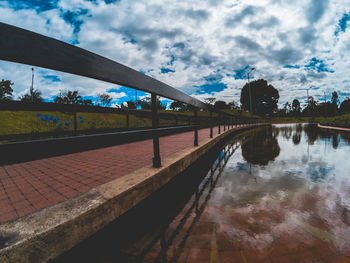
22 122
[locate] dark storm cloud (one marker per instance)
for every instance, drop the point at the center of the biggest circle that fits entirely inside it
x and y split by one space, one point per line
206 59
180 45
270 22
307 35
147 38
316 75
286 55
316 10
247 43
246 12
303 79
199 15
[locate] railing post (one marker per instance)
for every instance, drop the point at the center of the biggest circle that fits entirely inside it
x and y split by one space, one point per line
211 124
75 122
219 127
156 154
127 119
196 128
176 121
224 123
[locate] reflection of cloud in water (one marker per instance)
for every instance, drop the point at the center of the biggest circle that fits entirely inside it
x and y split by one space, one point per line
303 194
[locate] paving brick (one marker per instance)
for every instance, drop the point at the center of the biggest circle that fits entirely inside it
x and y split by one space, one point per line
40 183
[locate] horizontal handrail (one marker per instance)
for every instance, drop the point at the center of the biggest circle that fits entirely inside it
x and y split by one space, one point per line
50 106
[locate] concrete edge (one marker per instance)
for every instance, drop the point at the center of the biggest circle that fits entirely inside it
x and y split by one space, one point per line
332 128
45 234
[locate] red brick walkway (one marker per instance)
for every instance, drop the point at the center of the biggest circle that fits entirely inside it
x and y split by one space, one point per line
30 186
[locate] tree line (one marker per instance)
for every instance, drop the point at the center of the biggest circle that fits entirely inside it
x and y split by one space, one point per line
258 96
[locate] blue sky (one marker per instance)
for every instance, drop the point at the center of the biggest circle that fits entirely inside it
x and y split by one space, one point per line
204 48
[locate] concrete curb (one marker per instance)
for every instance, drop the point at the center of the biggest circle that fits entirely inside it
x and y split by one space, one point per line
45 234
333 128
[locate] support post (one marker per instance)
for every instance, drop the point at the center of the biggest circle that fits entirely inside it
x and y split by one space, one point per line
196 127
156 153
224 123
219 128
127 120
211 124
75 122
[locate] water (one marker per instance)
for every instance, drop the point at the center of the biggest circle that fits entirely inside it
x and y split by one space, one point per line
274 194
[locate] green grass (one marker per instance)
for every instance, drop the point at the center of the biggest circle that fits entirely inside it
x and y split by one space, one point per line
18 122
23 122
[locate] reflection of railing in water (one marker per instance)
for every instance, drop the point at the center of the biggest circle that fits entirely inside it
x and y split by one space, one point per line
209 185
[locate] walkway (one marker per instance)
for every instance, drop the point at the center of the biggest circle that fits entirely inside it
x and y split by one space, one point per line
30 186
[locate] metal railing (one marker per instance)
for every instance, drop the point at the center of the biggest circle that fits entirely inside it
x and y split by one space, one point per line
26 47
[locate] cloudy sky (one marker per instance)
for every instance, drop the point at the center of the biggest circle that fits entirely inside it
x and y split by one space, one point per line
203 48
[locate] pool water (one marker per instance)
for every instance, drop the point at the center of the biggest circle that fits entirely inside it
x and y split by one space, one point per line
272 194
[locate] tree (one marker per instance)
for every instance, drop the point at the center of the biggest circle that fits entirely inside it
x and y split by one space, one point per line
221 105
287 108
105 99
335 98
145 104
34 96
5 90
296 107
232 105
210 100
335 101
69 97
87 102
129 105
310 109
264 97
345 106
178 106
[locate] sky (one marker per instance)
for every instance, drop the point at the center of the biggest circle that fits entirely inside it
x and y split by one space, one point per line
203 48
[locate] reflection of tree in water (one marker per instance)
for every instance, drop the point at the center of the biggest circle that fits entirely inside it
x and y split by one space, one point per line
313 133
261 147
345 136
286 131
335 141
297 135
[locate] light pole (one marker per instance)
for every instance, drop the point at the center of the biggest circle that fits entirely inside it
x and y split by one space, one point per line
32 87
250 92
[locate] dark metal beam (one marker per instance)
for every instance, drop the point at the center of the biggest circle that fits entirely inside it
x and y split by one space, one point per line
26 47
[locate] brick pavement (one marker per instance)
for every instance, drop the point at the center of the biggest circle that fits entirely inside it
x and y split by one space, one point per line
29 186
